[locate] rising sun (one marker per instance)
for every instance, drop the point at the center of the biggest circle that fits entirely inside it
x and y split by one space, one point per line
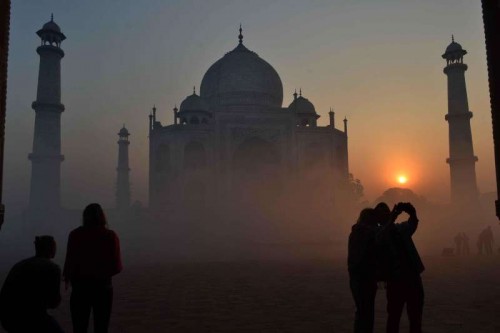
402 179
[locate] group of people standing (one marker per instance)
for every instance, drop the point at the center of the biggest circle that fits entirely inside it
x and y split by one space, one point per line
33 285
484 243
382 252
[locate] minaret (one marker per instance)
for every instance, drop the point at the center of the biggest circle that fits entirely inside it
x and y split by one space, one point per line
331 115
46 157
462 160
123 170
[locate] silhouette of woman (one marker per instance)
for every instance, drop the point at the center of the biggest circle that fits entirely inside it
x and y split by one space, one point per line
92 258
362 269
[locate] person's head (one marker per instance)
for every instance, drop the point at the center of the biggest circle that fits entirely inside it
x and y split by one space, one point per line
383 212
45 247
93 216
367 217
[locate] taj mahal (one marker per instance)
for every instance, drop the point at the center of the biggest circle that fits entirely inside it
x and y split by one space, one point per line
235 139
232 147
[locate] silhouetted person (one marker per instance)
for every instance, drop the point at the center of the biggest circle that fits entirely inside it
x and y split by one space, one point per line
92 258
485 241
361 266
465 244
458 243
404 284
31 287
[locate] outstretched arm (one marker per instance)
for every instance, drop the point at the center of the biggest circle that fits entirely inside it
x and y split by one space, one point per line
411 225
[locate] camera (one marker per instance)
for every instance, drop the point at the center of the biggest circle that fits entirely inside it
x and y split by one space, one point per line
404 207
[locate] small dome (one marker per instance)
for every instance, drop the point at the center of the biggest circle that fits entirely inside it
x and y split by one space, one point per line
454 51
51 32
123 132
454 47
52 26
302 105
193 103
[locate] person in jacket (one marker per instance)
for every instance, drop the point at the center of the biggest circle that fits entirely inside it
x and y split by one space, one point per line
31 287
361 266
92 259
404 266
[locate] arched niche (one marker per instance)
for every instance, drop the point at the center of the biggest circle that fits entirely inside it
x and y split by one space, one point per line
315 155
194 156
163 161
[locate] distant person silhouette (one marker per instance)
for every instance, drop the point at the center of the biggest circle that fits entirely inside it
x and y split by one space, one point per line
485 241
404 283
31 287
458 244
465 244
361 265
92 258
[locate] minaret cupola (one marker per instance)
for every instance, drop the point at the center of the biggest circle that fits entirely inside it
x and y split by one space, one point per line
304 110
51 34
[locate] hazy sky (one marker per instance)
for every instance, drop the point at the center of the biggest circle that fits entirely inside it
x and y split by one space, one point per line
378 62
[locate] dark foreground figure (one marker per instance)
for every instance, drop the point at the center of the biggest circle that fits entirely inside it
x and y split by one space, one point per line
31 287
362 266
92 258
402 267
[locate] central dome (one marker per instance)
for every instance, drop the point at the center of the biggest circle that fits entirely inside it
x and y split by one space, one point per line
241 77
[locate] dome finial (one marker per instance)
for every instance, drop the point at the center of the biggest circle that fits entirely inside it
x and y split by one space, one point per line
295 94
194 90
52 17
300 92
452 38
240 36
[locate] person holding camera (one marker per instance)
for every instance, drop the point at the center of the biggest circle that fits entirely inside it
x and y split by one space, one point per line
400 266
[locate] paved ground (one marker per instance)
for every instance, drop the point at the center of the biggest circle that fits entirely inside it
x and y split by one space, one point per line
462 295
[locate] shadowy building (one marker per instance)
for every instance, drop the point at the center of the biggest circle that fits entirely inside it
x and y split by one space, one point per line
123 171
46 158
235 141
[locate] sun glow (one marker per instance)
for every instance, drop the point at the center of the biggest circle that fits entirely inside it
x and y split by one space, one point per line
402 179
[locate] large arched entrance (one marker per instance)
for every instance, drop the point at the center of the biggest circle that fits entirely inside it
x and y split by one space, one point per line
257 171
